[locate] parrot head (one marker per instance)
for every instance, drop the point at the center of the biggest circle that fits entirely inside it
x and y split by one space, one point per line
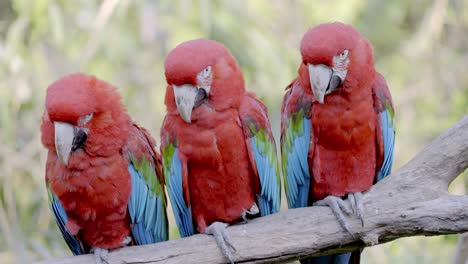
200 73
83 113
336 55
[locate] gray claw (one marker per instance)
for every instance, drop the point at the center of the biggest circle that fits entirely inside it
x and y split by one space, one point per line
126 241
218 230
101 256
227 239
253 211
357 205
336 204
352 201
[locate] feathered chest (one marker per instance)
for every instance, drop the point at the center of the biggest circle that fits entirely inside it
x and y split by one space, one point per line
343 123
90 186
210 140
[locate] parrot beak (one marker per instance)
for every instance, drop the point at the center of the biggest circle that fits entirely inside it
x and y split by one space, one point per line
187 98
68 138
323 80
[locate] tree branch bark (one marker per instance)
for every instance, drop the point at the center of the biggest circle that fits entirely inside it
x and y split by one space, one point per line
412 201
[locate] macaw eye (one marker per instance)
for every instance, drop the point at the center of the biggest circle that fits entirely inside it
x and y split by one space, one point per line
206 72
343 54
204 79
85 119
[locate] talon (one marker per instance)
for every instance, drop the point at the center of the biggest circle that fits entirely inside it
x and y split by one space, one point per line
337 205
101 255
252 211
352 201
227 239
356 198
126 241
218 230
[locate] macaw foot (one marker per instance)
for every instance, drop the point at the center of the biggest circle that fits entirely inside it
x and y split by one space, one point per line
252 212
101 256
218 230
357 205
126 241
338 206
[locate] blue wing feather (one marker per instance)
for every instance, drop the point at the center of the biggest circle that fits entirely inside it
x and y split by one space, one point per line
297 166
182 212
61 219
269 197
385 115
144 211
262 153
388 135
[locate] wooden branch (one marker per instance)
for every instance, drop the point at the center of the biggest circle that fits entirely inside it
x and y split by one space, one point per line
412 201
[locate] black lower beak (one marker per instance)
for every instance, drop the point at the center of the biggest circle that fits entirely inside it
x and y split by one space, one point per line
335 81
201 96
79 139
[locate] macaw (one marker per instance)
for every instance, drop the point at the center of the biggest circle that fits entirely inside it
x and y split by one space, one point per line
103 176
338 128
219 155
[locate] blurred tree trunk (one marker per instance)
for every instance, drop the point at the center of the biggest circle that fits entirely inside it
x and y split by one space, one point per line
461 252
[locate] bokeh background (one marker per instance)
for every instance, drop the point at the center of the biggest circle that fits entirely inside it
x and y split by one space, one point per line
421 47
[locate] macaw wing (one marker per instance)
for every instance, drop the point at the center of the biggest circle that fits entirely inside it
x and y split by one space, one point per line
60 216
262 153
295 145
147 203
175 173
385 127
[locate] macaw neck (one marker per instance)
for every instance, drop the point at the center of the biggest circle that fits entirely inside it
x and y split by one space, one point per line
205 119
227 93
345 98
108 138
359 78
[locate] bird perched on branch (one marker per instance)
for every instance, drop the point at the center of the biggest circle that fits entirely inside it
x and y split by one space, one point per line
338 128
219 155
103 177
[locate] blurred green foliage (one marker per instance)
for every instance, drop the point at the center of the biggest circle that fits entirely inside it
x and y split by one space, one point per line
421 47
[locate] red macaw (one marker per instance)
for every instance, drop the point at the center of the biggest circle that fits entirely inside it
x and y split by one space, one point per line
338 127
219 156
103 177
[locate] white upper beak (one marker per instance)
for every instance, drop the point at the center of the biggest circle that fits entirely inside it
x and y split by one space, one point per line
320 76
185 100
64 134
